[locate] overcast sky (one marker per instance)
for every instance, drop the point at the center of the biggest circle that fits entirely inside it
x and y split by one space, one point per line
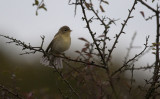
18 20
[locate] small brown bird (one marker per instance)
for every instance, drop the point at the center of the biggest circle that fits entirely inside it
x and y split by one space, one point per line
60 43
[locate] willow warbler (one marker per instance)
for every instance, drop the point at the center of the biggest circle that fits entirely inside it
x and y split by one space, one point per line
60 43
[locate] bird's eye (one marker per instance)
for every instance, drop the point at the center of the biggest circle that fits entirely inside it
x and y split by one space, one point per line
65 30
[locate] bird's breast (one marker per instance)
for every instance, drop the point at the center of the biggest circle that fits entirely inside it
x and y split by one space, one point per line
62 44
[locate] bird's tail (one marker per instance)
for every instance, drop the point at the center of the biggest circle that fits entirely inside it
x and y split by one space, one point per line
56 61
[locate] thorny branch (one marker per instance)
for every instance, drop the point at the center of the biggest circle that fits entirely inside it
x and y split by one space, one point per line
97 45
132 59
130 47
132 79
91 32
141 68
66 81
127 55
25 46
150 17
156 76
106 28
121 31
149 7
105 32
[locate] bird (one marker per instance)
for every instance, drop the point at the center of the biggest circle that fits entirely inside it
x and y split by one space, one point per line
60 43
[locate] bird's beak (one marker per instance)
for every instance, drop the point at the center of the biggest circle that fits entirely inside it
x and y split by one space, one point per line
70 30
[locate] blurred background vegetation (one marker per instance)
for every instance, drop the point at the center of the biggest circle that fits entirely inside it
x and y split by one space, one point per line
34 81
27 79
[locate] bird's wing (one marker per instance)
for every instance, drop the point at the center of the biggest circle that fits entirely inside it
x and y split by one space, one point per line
52 42
49 46
56 35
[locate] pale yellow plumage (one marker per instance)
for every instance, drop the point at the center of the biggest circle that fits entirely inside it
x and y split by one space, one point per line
60 43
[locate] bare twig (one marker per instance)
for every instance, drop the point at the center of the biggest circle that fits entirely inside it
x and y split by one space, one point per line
121 31
149 7
132 59
155 77
141 68
150 17
132 70
130 47
25 46
91 32
97 47
106 28
66 81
